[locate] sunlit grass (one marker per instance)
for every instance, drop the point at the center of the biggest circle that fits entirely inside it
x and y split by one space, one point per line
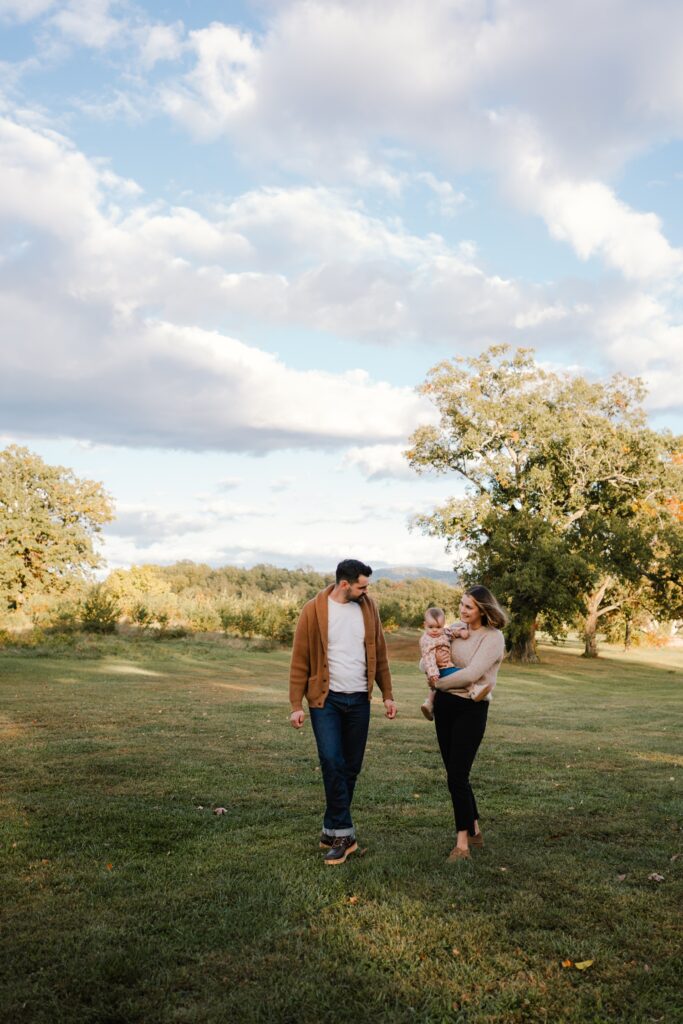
126 899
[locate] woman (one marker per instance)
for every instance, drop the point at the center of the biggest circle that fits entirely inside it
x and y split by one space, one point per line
461 707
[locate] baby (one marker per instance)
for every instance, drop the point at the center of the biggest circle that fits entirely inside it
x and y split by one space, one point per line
437 636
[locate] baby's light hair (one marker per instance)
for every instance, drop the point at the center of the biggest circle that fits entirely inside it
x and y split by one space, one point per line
437 615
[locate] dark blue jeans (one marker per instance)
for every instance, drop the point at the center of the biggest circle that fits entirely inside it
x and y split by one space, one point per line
341 731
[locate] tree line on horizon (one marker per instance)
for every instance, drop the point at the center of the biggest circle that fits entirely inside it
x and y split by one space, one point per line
572 514
172 600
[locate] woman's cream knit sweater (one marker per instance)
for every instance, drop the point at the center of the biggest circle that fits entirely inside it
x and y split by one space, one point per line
478 658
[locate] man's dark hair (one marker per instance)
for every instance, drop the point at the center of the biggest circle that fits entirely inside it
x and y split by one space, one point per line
350 569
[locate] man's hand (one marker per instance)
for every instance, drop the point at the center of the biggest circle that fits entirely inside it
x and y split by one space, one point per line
297 719
390 708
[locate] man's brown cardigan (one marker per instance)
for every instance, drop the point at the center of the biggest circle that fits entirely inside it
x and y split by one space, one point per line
309 674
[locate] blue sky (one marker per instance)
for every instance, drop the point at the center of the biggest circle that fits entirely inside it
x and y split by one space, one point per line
234 237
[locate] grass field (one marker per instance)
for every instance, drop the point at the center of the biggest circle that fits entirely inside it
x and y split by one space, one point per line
126 899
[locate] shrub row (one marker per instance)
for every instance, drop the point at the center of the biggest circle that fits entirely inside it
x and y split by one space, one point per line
250 603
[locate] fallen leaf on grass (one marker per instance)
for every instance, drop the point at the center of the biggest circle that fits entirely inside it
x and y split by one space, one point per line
620 878
675 857
503 869
567 963
654 877
220 810
455 952
583 965
110 867
352 900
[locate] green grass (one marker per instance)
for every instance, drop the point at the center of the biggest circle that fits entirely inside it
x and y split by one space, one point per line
126 899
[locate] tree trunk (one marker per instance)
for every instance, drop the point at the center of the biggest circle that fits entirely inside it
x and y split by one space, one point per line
627 633
590 627
590 636
523 643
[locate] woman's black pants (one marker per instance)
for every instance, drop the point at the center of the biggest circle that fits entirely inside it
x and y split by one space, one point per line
460 726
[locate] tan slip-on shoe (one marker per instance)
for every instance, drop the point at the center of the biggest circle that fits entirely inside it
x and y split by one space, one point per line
458 854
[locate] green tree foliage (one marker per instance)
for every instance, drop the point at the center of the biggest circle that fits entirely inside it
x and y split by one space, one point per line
617 481
48 519
404 602
144 596
99 611
565 486
260 602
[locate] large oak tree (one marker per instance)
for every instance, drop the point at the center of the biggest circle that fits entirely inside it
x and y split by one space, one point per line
568 492
48 521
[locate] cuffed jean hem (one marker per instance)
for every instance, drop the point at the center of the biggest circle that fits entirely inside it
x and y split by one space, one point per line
341 729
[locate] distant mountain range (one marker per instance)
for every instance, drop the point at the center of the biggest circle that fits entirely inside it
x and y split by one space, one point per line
413 572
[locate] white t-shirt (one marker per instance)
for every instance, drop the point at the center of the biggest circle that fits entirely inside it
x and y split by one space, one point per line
346 647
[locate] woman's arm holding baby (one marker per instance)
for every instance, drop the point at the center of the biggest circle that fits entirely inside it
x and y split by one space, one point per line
489 653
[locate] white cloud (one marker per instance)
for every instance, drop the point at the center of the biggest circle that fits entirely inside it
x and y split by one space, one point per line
218 91
537 315
89 23
187 388
372 530
119 104
449 201
360 170
643 339
589 216
159 43
46 182
327 83
229 483
94 349
147 524
307 256
380 462
283 483
495 91
128 343
24 10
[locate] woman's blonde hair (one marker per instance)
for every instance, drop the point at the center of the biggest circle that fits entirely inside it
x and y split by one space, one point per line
491 612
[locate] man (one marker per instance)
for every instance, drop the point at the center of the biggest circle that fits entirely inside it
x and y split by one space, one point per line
338 652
